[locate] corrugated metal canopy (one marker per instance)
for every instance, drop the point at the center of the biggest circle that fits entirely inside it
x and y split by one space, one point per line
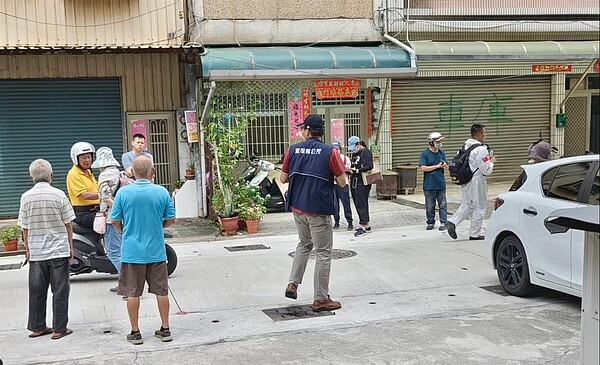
533 50
306 62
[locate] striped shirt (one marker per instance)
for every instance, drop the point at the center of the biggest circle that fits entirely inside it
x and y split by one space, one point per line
44 212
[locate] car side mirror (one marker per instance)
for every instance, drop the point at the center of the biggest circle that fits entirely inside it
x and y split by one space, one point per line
554 228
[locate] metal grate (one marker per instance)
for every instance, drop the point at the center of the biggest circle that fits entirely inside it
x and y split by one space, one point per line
159 135
295 312
335 254
576 127
10 267
246 248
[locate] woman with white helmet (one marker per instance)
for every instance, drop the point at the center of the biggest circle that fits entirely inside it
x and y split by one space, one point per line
81 184
433 162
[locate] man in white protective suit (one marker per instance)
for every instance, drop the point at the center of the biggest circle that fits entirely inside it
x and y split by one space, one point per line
474 193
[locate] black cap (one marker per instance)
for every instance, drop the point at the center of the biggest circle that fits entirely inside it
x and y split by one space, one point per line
312 122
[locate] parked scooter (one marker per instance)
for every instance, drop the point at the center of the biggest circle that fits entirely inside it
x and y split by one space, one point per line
90 255
265 175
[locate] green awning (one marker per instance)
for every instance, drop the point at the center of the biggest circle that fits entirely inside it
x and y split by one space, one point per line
307 63
508 50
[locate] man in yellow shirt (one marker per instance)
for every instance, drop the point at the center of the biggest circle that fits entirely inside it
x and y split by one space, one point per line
81 184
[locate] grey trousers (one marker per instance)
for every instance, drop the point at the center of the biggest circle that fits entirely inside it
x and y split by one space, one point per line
53 273
314 231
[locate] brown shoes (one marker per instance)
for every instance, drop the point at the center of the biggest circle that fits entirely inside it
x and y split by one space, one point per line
325 305
291 291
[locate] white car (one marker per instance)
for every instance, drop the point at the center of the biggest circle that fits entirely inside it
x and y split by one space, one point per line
520 247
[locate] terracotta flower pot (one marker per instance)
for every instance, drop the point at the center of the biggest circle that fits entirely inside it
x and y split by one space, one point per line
229 225
252 226
11 245
242 224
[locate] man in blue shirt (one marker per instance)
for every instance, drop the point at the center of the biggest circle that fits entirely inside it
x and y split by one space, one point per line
140 211
433 162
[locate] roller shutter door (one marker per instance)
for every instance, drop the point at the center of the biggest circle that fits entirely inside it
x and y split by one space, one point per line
42 118
514 111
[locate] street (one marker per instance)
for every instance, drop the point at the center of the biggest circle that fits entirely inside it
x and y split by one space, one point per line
409 296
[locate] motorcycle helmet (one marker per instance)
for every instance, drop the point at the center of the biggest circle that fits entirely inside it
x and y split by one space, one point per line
81 148
434 137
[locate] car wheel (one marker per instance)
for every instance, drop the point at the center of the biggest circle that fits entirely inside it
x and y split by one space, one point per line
512 268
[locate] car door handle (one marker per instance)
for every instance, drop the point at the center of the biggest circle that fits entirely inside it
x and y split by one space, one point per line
530 211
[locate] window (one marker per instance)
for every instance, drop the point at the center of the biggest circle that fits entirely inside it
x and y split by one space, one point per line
564 182
519 182
594 198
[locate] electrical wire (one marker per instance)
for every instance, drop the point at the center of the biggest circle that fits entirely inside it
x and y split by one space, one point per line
89 25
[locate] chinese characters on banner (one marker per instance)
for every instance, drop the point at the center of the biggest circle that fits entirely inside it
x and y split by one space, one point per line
191 126
334 89
295 117
597 65
306 102
337 131
140 127
551 68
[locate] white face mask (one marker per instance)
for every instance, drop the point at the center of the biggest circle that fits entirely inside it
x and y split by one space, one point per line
438 145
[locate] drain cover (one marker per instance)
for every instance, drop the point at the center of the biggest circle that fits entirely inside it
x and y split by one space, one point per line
335 254
246 248
10 267
496 289
295 312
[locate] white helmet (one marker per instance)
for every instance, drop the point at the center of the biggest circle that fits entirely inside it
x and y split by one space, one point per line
434 136
81 148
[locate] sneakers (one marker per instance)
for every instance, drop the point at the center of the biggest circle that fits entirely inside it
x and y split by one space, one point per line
291 291
114 290
451 229
350 227
135 338
325 305
360 232
429 227
164 334
442 227
368 230
336 226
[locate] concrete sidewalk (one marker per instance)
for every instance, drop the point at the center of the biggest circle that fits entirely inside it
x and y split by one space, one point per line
409 296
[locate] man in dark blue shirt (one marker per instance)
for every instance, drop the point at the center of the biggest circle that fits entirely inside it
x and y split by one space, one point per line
310 167
433 162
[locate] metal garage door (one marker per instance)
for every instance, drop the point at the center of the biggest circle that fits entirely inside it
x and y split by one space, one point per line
514 111
43 118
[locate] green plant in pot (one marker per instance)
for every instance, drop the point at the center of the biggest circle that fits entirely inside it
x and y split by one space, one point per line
10 237
225 133
249 202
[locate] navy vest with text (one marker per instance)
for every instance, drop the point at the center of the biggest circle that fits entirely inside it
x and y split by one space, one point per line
311 179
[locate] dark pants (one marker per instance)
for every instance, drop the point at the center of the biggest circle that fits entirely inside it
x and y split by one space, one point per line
360 196
343 194
53 273
84 216
431 196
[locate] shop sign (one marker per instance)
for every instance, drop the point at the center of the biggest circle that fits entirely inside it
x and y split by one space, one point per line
295 118
306 103
337 131
140 127
336 89
191 125
551 68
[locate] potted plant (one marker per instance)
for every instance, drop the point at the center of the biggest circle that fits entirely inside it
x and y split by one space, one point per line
250 205
251 215
10 237
190 171
225 132
178 184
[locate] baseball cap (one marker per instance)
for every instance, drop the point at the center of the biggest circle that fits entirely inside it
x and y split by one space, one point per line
352 141
337 145
312 122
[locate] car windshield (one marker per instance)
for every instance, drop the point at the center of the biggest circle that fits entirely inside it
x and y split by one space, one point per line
519 182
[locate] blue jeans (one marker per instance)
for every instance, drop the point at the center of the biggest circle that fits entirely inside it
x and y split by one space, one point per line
342 194
112 241
53 273
431 196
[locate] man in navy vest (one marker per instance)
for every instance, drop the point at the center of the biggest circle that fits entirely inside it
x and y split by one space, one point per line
310 167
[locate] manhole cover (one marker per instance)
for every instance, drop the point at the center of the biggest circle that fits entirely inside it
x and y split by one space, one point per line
496 289
335 254
246 248
10 267
295 312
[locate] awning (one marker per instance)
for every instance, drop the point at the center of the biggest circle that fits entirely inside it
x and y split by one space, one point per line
307 63
547 50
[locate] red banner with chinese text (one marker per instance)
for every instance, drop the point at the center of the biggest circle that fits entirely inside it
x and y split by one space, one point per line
551 68
306 103
336 89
